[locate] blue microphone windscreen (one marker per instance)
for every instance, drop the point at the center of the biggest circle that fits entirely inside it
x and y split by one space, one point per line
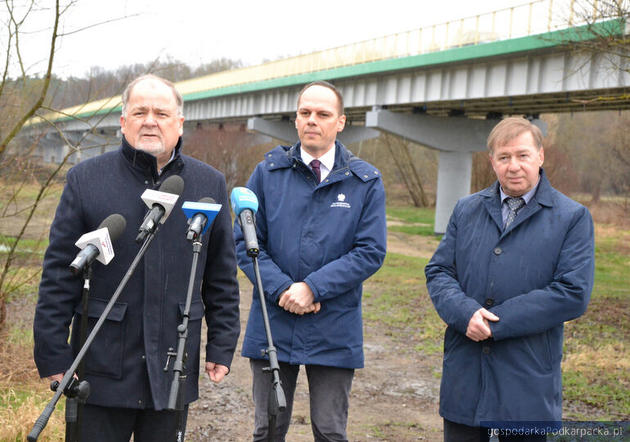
210 210
242 198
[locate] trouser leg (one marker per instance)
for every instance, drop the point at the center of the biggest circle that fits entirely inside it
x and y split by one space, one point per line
261 389
106 424
154 425
111 424
454 432
329 391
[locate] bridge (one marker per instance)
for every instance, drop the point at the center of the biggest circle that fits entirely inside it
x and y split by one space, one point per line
443 86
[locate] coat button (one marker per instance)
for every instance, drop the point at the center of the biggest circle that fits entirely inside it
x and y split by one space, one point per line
497 250
485 349
489 302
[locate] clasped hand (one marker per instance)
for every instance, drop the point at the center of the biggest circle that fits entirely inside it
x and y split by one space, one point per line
298 299
478 327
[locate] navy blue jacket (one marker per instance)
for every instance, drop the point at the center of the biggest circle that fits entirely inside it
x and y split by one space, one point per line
534 276
332 236
125 363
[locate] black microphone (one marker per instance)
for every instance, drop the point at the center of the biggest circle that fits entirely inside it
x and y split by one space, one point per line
200 216
245 205
161 202
98 244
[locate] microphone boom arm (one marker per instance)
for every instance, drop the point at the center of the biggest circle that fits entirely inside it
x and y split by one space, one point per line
43 418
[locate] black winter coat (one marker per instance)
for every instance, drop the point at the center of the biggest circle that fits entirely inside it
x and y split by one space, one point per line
124 365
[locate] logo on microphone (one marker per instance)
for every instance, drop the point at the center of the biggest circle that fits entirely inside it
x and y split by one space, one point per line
341 202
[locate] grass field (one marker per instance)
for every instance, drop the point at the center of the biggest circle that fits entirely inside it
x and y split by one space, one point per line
596 366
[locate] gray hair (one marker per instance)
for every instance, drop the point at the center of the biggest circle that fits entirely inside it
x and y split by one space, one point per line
510 128
127 92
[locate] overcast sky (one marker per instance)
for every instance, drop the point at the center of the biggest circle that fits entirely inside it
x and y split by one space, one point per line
199 31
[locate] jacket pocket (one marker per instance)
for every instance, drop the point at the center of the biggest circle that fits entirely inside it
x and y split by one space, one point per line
537 351
105 355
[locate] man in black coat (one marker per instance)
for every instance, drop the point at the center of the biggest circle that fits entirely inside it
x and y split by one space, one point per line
124 366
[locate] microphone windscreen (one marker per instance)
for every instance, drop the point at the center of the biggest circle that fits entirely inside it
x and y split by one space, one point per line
243 198
207 200
115 224
173 184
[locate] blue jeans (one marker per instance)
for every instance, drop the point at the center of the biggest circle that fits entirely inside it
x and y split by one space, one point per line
329 393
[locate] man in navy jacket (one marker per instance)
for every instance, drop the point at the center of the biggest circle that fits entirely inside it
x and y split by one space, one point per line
321 230
124 366
515 263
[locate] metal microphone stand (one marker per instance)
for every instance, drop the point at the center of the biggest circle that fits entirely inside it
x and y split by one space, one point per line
74 403
176 396
277 400
69 385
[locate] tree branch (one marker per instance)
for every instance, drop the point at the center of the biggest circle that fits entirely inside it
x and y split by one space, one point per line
18 126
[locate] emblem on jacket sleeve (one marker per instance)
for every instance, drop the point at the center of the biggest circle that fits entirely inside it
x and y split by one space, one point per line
341 202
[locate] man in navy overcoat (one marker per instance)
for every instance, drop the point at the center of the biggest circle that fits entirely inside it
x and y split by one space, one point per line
515 263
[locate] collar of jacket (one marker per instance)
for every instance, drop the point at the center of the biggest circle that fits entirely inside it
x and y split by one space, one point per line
146 164
543 195
283 157
492 203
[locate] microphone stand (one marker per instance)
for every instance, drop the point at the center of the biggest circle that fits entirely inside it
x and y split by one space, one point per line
277 401
69 385
176 396
74 404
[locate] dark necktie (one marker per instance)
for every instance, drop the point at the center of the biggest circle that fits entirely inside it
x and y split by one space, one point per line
315 166
515 205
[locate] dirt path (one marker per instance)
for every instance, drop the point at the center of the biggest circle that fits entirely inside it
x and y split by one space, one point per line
394 398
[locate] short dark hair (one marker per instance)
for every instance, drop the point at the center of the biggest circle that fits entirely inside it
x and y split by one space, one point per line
127 92
326 85
510 128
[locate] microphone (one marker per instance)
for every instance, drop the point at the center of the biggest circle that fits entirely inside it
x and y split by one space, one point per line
161 202
245 205
200 216
98 243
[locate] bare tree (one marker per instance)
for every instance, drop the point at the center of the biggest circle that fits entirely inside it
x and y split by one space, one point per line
400 153
14 26
227 147
604 32
17 120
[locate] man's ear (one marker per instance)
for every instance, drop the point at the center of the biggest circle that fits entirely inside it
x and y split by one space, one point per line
341 123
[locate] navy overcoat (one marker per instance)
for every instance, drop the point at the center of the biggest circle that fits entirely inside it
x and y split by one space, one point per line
534 276
125 363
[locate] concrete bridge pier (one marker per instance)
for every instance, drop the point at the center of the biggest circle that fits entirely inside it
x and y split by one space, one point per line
53 147
285 131
456 138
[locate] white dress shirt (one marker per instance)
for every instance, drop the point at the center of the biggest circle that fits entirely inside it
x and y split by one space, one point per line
327 161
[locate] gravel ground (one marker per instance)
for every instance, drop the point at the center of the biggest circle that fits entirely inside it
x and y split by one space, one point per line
394 398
